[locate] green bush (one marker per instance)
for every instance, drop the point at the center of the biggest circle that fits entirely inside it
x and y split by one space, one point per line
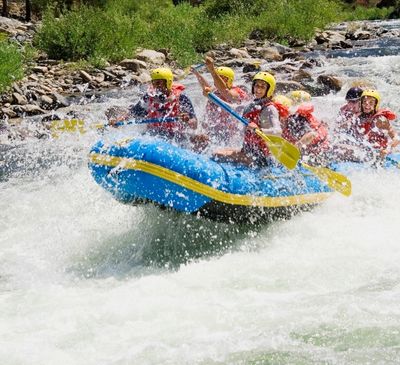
219 8
115 29
87 33
174 29
362 13
11 65
296 18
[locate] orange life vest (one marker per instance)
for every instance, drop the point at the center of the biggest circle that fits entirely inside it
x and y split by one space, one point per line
170 108
368 129
220 123
299 123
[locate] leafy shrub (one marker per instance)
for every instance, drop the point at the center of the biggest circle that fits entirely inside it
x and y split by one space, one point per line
361 13
296 18
219 8
116 28
11 65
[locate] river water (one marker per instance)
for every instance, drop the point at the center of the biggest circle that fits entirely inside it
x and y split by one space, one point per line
87 280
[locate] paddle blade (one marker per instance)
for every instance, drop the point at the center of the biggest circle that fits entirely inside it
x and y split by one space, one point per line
285 152
72 126
333 179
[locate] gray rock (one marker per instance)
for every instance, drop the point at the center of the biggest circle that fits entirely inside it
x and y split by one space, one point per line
32 109
330 82
238 53
133 64
151 56
40 69
287 86
19 99
85 76
7 112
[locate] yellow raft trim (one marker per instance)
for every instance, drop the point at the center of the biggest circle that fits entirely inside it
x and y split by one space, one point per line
215 194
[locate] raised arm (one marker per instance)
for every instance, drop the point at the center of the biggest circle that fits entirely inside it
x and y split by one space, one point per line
230 95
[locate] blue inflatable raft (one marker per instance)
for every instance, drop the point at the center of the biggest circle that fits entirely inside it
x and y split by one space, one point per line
142 170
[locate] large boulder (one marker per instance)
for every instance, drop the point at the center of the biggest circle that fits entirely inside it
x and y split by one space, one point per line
151 56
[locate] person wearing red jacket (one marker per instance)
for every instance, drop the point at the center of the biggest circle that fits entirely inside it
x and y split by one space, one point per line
374 125
349 112
309 134
164 99
345 138
262 114
218 124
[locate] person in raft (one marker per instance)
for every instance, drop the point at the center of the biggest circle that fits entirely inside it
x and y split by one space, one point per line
308 133
345 136
220 125
375 126
262 113
164 99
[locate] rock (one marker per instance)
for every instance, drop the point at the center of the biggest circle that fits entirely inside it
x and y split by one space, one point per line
301 75
287 86
330 82
33 77
17 89
40 69
85 76
46 102
109 76
292 55
271 54
7 112
143 77
238 53
242 62
151 56
254 67
19 99
32 109
133 64
346 44
285 68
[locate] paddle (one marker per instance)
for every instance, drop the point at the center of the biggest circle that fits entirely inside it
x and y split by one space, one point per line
78 125
285 152
288 154
333 179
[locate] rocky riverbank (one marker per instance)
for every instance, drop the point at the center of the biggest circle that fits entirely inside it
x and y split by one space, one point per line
51 84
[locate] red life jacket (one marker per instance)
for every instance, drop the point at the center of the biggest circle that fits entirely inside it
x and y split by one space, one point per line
220 122
300 123
170 108
252 142
368 129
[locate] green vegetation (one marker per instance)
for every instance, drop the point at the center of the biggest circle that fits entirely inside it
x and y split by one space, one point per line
114 30
361 12
11 64
94 32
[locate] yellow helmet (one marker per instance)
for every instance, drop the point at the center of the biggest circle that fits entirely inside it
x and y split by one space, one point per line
284 100
228 73
374 94
269 79
163 73
300 96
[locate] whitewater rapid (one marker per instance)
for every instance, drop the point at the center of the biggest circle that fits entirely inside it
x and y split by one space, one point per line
87 280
